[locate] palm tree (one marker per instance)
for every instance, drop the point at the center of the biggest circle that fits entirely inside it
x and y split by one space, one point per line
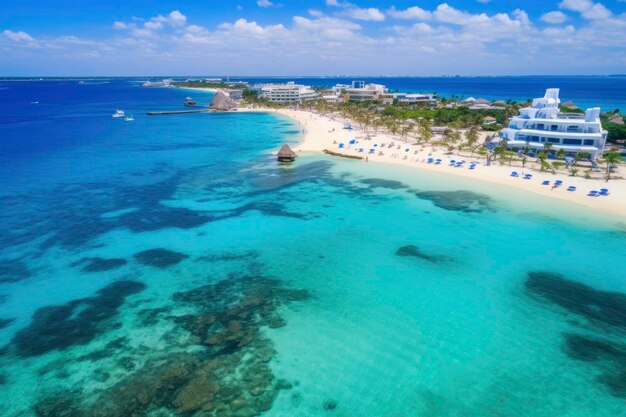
547 147
560 154
573 171
611 159
424 132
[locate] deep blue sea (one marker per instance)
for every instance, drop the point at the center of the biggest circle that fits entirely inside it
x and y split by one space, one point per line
169 266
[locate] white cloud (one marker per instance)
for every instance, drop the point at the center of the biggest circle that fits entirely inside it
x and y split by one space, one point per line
443 40
150 25
18 36
413 12
371 14
264 3
448 14
555 17
176 18
332 3
587 8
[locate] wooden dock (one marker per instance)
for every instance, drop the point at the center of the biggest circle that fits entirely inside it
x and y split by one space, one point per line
162 113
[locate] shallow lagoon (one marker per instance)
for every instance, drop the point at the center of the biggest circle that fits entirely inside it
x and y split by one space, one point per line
324 287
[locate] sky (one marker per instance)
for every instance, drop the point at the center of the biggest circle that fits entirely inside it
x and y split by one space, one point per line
314 37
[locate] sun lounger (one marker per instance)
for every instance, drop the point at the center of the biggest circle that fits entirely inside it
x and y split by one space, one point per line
514 174
571 188
528 176
546 182
593 193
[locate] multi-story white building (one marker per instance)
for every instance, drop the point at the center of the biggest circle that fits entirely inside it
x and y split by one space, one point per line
544 123
415 98
290 93
359 91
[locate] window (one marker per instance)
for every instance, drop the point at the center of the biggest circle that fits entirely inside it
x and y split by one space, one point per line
554 140
589 142
540 126
572 141
554 128
572 128
534 138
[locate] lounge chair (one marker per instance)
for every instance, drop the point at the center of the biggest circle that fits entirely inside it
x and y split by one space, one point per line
603 192
514 174
571 188
528 176
341 145
593 193
430 160
437 161
546 182
557 183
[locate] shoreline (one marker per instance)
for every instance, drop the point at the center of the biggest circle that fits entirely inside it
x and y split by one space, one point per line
321 132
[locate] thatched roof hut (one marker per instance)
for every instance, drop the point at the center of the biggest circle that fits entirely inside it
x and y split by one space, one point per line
222 102
286 154
617 118
570 105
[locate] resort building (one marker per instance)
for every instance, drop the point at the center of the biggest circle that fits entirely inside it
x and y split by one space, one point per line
290 93
359 91
415 98
543 123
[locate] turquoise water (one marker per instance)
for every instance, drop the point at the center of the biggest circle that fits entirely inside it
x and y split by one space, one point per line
169 267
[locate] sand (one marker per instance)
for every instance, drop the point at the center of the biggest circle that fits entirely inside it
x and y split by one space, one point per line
322 132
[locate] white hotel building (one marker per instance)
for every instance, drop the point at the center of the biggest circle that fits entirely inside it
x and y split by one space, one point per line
544 123
290 93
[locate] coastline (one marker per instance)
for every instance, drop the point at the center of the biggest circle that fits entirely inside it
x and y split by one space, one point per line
321 132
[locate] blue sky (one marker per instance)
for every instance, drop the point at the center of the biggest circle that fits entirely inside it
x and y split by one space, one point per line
318 37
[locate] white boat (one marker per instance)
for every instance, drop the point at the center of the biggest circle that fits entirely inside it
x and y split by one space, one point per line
118 114
129 118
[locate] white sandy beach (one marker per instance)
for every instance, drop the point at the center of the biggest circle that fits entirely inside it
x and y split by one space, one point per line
321 132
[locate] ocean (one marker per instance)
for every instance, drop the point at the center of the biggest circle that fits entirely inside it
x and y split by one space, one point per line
170 267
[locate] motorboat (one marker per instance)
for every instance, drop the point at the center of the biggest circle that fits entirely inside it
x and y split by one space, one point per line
118 114
129 118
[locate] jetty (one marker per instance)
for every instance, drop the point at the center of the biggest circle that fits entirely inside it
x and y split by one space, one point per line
161 113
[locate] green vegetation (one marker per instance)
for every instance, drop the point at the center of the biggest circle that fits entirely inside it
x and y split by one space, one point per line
617 132
445 116
565 109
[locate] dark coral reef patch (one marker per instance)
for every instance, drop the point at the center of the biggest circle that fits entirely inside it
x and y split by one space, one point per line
226 375
413 251
461 200
101 264
601 307
75 323
5 322
13 270
380 183
159 257
609 357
